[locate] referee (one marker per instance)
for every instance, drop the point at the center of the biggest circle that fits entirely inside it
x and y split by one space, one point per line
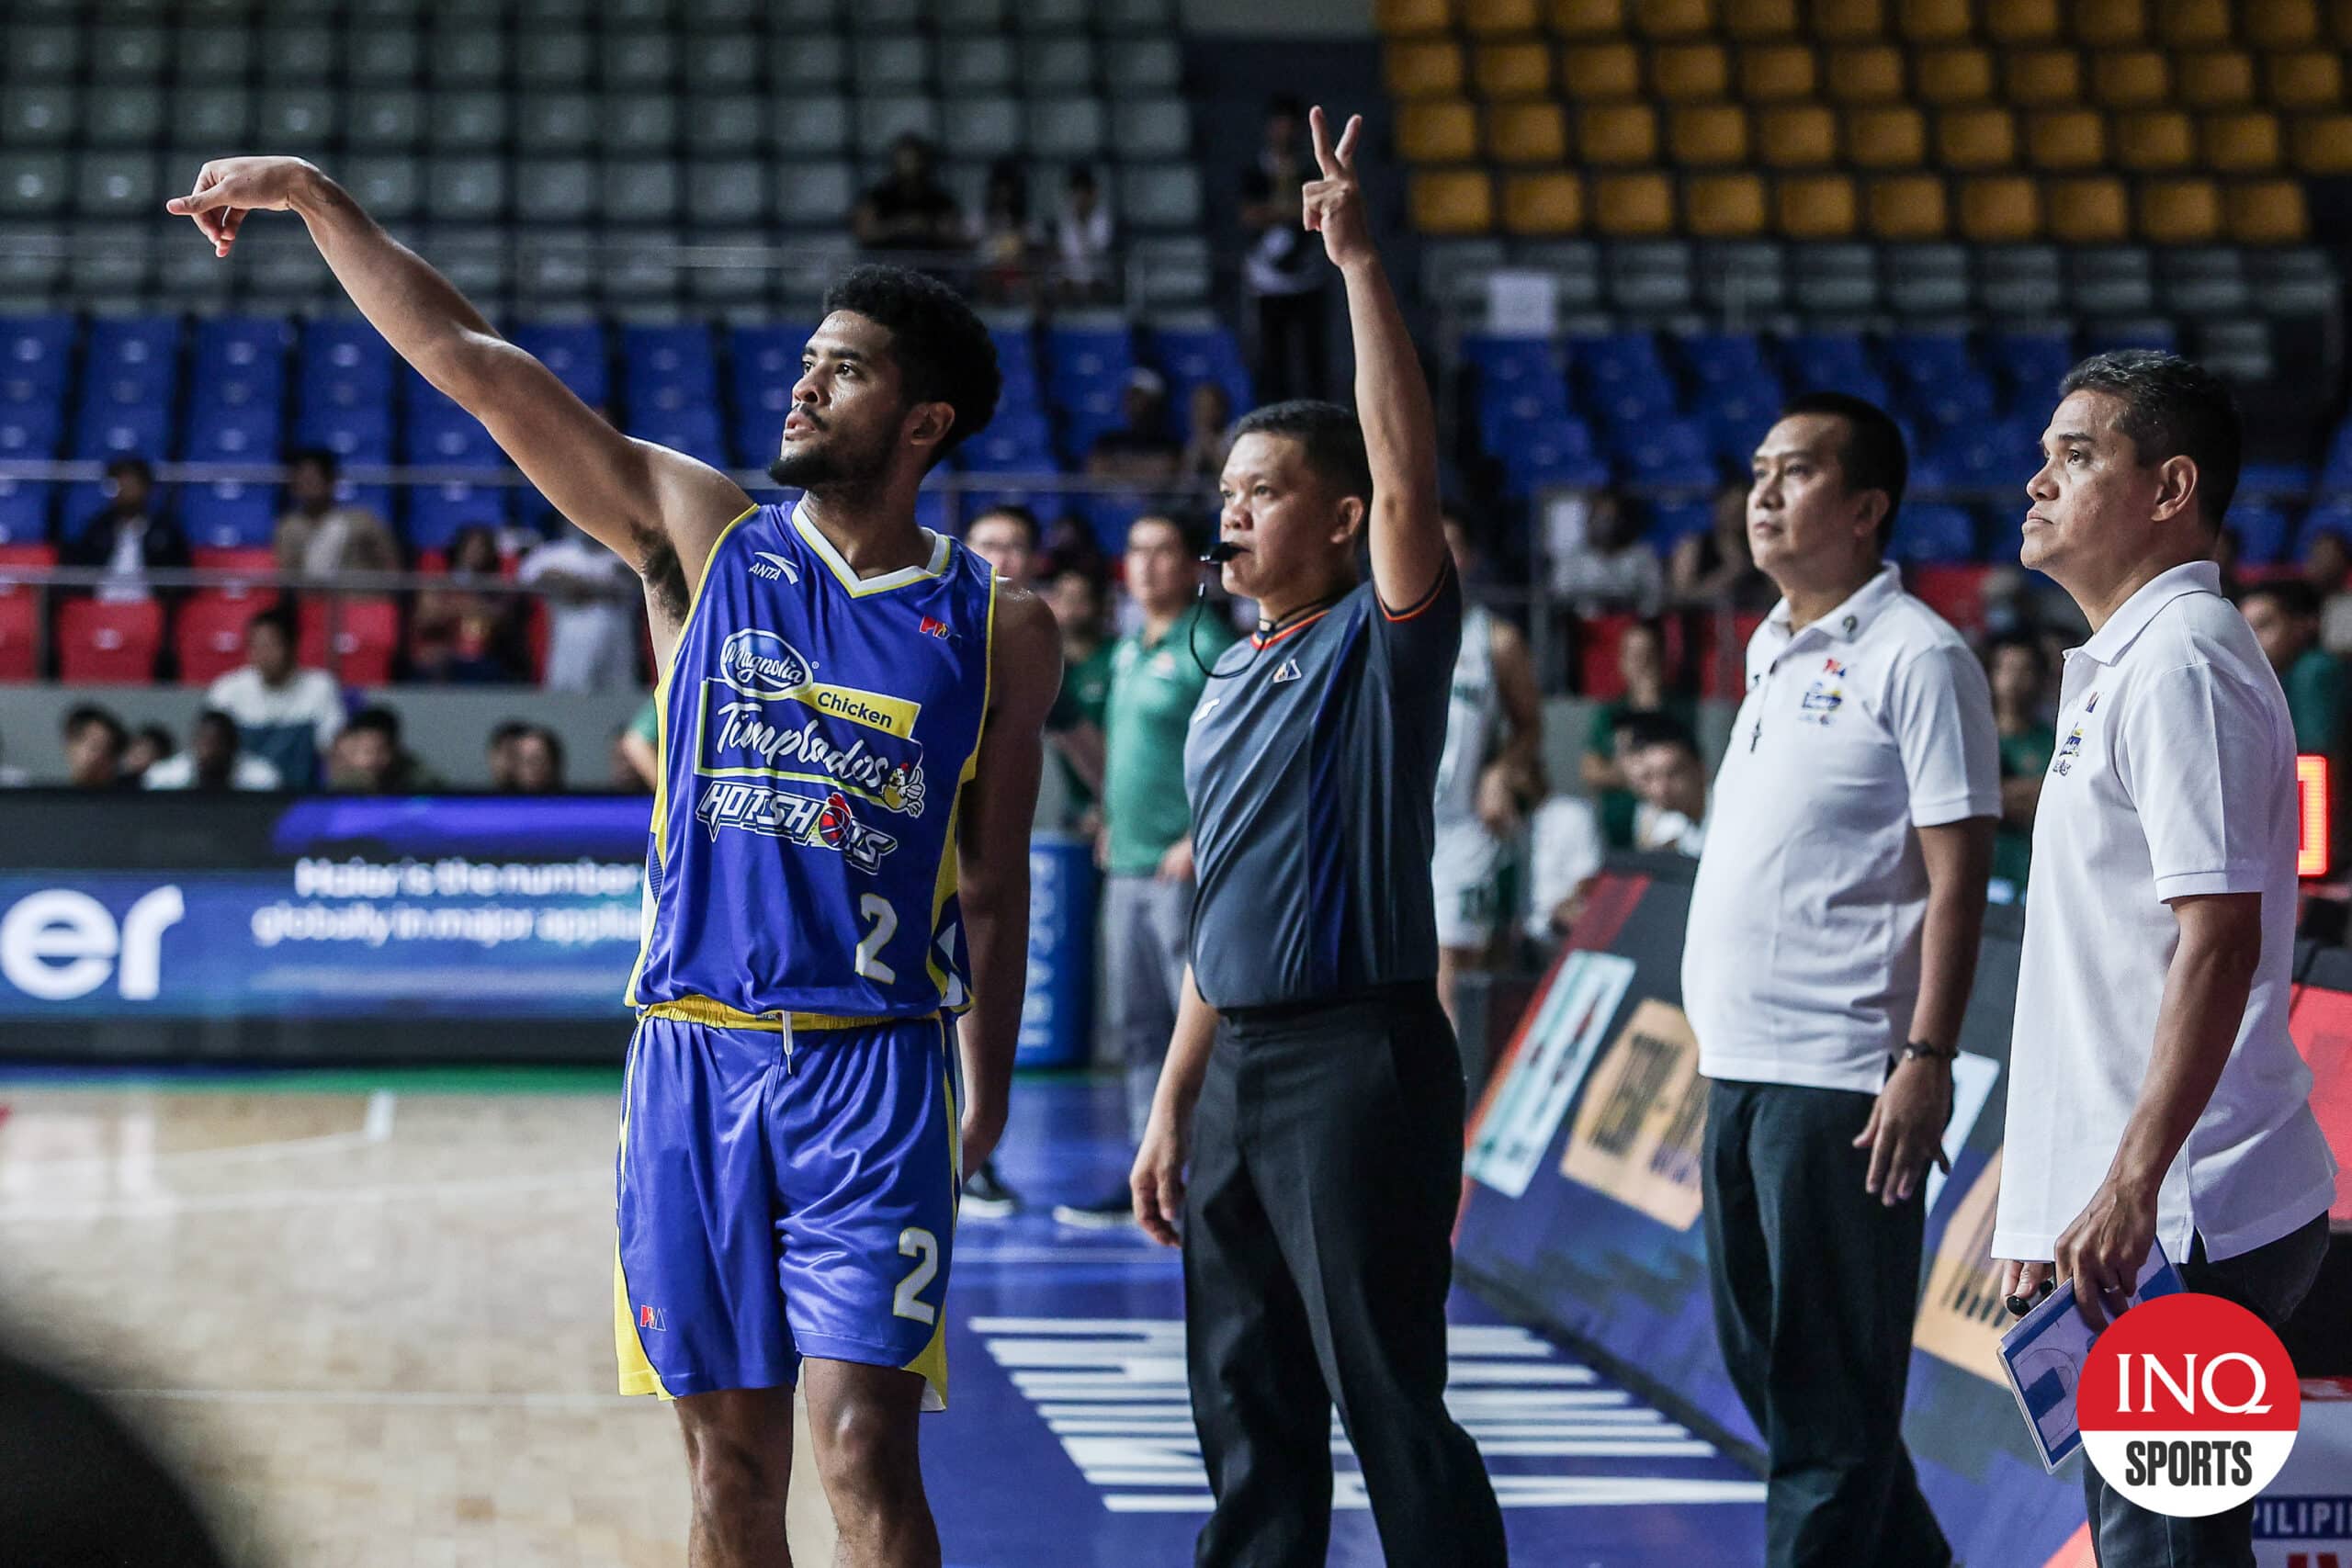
1313 1082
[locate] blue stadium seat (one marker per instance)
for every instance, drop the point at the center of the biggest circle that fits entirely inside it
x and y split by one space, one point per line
1736 416
1501 361
435 513
450 438
1674 521
576 351
2272 480
1628 406
235 390
1719 359
37 349
692 428
80 502
931 509
142 430
1834 362
2261 530
1668 452
1083 361
131 342
2335 471
1616 358
1924 358
249 347
2333 515
227 515
1934 535
667 354
1016 441
25 507
356 433
1562 454
1995 453
247 434
2033 364
1016 360
1110 515
31 430
1191 355
1088 414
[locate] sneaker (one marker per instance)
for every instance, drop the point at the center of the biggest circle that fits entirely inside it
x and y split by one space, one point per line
986 1197
1115 1212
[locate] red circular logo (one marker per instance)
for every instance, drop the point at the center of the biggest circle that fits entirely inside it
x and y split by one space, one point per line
2189 1404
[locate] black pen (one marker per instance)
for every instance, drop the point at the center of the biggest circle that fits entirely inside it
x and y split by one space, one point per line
2019 1306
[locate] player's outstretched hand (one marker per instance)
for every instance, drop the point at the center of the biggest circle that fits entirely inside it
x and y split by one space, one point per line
1156 1182
1333 206
228 188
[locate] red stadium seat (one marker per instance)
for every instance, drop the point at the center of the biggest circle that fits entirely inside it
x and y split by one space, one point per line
33 556
1597 639
1723 670
210 631
262 562
19 633
536 634
104 644
367 636
1955 592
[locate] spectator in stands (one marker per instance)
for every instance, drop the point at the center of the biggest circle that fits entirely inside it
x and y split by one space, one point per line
215 760
1070 546
2327 567
1601 563
95 741
1082 236
1714 567
909 209
1143 449
2284 613
1565 853
1007 538
539 762
287 716
1283 274
499 753
150 744
639 746
1004 236
1074 727
128 539
1210 437
318 538
593 611
472 630
368 759
1641 663
1670 782
2018 669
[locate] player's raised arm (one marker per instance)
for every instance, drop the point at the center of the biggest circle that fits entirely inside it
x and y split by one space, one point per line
1392 394
633 496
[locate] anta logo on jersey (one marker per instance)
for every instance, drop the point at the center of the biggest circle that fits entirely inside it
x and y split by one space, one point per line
828 823
762 664
773 568
745 729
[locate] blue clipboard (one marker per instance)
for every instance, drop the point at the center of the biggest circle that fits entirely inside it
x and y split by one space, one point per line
2042 1354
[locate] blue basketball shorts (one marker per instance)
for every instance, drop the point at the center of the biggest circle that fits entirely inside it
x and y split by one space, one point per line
784 1192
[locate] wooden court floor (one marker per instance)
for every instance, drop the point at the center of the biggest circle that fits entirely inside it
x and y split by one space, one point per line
373 1326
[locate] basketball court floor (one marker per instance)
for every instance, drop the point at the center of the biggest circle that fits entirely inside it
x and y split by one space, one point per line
369 1313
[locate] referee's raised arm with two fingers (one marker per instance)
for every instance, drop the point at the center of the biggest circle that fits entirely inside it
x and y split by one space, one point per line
1313 1083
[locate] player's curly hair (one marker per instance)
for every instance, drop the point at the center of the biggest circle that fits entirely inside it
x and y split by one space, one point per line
942 348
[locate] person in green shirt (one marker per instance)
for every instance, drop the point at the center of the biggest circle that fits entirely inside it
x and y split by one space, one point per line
1157 675
2018 668
1074 727
2284 613
1641 660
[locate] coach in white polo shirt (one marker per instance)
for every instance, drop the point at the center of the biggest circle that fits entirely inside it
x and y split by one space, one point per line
1833 935
2153 1092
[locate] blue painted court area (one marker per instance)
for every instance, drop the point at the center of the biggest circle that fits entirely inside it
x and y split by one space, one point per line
1069 1440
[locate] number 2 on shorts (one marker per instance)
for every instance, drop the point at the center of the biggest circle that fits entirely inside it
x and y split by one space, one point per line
916 1242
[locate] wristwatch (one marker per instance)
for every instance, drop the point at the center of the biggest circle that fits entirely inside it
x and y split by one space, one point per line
1920 1048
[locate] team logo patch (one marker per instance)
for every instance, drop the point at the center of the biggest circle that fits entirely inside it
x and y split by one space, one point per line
1289 671
654 1318
762 664
933 626
744 731
1826 695
772 567
829 822
2072 747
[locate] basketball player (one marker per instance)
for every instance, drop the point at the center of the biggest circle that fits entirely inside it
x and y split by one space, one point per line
850 709
1491 769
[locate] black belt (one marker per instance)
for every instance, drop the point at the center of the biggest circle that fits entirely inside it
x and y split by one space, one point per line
1401 992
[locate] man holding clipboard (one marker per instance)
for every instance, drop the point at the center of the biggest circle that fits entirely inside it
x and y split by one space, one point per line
2155 1094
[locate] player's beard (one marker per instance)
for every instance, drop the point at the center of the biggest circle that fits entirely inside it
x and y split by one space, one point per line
828 466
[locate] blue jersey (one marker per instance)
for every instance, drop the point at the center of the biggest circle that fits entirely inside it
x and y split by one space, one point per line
817 732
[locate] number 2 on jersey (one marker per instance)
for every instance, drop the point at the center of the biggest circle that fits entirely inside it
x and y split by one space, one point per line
875 907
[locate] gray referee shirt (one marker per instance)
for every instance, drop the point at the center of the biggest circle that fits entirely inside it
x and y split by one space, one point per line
1311 765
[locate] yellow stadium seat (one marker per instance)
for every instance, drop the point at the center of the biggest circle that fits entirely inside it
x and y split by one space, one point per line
1632 207
1619 134
1750 20
1410 19
1424 70
1707 135
2109 24
1532 132
1886 136
1976 139
1908 207
1816 206
1994 208
1690 72
1500 19
2044 78
2306 79
1674 18
2280 24
1935 21
1437 131
1848 22
2087 211
2155 141
1954 74
1550 202
2267 212
1511 70
1588 18
1453 201
2065 139
1724 206
2179 212
2322 143
1796 135
1590 71
1866 73
2199 23
2015 22
2130 78
2215 78
1776 73
2246 142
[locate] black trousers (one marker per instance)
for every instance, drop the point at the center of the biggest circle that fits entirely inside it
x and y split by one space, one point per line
2270 1282
1326 1165
1816 1284
1294 353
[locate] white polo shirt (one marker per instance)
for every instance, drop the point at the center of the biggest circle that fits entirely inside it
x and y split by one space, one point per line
1801 962
2174 776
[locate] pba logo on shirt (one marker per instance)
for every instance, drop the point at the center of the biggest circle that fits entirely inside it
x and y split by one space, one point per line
1826 695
